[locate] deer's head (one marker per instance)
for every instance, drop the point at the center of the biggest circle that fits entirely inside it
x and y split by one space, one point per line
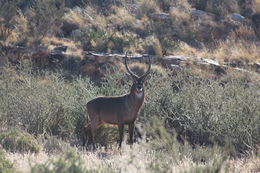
138 81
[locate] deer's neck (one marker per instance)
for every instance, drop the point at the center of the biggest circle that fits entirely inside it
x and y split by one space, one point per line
136 99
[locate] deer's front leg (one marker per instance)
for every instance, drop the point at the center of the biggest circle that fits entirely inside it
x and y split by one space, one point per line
121 134
131 132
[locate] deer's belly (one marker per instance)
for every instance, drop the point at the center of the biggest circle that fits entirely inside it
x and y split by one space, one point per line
118 118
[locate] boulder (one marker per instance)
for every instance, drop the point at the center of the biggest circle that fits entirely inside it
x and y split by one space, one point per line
178 60
202 15
210 62
160 16
238 17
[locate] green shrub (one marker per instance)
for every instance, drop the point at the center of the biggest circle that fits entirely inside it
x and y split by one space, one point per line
5 165
17 141
205 111
44 104
202 111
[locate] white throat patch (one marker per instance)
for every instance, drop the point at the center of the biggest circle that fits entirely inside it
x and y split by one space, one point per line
139 94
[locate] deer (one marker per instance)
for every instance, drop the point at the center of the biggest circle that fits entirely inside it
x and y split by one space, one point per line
117 110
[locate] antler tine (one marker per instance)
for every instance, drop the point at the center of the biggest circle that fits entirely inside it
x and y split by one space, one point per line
127 68
148 70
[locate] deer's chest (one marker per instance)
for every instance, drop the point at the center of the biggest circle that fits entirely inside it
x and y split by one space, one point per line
130 113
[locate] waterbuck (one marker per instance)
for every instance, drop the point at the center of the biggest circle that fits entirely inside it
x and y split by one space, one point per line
117 110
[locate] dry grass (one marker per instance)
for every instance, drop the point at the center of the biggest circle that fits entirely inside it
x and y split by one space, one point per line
257 6
239 50
147 7
153 46
245 165
73 48
140 68
180 14
226 51
122 18
85 17
140 158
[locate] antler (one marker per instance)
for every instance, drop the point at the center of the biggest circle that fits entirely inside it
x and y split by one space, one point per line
148 70
132 74
128 70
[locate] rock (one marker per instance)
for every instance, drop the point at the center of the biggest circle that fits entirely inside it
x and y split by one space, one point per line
173 66
202 15
174 61
238 17
160 16
211 62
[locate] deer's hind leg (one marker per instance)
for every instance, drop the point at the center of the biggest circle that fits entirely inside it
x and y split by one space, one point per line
95 122
87 139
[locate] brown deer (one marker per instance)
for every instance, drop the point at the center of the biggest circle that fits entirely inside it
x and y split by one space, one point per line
120 110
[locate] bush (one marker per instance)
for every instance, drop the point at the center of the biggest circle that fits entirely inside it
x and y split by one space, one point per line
17 141
5 165
195 159
43 104
204 111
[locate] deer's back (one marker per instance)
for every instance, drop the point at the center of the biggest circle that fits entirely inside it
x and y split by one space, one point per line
109 109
